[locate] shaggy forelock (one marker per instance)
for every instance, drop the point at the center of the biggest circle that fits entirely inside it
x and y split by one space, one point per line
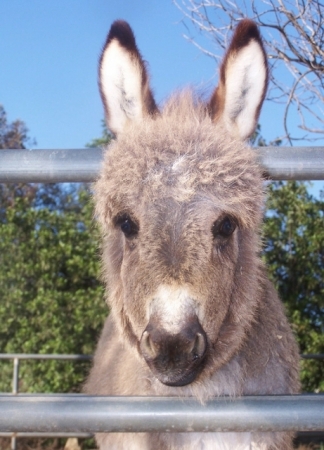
181 154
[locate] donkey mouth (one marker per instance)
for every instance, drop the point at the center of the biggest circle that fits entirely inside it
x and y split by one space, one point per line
176 379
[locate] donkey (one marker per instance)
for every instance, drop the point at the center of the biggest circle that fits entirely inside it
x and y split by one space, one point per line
180 200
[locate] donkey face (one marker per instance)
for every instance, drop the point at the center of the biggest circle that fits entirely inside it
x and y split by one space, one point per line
179 201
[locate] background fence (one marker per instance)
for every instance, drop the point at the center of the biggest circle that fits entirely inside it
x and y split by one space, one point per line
75 414
54 166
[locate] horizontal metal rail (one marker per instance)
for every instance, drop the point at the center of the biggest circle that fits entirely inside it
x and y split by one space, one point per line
46 435
88 414
292 163
75 357
50 166
45 356
17 357
83 165
313 356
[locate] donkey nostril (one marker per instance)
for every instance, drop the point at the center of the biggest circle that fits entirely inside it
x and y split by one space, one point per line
147 346
199 346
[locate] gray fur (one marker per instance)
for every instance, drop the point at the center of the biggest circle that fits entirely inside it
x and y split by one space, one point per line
175 174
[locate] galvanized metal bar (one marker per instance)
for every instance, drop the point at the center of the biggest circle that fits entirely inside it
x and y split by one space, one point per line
292 163
45 435
303 435
15 376
313 356
40 356
13 443
49 166
79 414
15 390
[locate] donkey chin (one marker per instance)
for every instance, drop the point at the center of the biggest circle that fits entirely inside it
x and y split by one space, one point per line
174 359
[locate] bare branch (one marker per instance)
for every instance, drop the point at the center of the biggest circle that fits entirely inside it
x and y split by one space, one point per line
294 37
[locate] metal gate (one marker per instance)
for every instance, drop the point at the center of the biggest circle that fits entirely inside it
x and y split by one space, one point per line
75 414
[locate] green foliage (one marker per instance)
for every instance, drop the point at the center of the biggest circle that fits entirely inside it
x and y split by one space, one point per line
258 140
104 140
51 300
50 297
13 135
294 254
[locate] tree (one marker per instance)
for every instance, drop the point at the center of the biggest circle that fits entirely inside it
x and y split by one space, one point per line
51 299
12 135
294 37
294 254
52 302
105 138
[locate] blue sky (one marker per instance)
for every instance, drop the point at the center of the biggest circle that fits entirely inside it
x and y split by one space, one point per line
49 54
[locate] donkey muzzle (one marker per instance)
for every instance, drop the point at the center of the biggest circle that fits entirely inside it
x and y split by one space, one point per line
175 359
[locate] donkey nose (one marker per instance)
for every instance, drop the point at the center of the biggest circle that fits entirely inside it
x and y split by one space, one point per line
174 358
156 341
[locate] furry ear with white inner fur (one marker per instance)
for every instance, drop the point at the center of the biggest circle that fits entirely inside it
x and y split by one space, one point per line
123 79
243 82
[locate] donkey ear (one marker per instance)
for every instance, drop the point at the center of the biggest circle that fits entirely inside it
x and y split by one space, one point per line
243 82
123 79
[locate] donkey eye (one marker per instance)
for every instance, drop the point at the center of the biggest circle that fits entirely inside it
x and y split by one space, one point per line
224 228
127 226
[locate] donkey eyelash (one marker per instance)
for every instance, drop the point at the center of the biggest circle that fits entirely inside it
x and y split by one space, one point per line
127 225
224 227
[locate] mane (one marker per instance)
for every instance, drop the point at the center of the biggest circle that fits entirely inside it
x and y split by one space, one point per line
181 152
